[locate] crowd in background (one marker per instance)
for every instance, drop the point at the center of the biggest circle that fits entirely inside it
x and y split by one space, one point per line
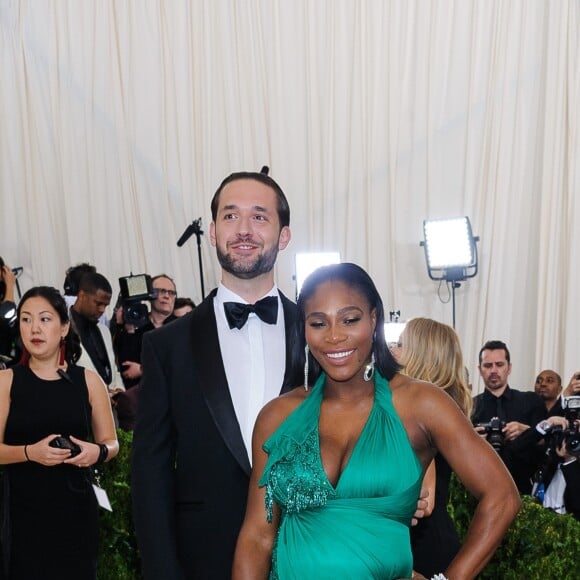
534 433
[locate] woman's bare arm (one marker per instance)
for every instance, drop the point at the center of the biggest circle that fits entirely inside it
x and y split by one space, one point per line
434 420
256 540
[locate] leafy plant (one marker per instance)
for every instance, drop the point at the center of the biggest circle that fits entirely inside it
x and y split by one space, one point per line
540 544
118 553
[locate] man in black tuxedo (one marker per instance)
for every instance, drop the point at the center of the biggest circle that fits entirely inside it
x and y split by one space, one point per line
205 377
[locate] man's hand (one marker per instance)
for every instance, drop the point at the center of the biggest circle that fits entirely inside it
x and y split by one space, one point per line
514 429
8 277
131 370
481 431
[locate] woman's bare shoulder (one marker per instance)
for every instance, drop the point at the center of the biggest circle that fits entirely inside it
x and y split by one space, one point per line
402 385
419 395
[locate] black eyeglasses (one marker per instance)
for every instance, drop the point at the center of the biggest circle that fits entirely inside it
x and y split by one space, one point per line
164 291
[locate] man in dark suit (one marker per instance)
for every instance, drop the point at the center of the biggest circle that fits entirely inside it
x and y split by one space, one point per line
518 412
205 377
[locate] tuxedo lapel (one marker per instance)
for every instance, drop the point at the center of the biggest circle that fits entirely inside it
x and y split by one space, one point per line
291 379
213 382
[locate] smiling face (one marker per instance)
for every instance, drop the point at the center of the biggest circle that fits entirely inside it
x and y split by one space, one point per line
339 328
246 231
41 329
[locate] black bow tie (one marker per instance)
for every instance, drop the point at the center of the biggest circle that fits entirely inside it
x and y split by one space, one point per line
237 313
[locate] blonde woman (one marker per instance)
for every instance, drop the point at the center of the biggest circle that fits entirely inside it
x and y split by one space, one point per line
430 351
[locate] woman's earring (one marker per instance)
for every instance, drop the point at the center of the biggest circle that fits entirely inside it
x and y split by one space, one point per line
306 351
62 352
370 369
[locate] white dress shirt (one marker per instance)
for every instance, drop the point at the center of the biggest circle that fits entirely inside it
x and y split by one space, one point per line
254 360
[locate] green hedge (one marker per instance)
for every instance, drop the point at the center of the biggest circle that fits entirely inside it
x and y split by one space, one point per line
118 553
539 545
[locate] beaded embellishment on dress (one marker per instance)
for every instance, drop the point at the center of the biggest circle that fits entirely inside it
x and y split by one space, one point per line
305 483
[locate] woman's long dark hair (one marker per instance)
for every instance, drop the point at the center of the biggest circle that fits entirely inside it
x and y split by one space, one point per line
354 277
56 300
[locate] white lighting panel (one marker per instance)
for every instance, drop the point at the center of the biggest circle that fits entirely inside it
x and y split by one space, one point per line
393 331
307 262
449 243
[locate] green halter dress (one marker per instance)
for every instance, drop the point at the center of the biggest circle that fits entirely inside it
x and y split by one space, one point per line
358 529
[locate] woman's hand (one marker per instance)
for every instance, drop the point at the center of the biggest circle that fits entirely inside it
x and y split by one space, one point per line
88 456
41 452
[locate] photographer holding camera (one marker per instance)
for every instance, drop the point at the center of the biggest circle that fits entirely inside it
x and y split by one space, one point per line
557 480
504 415
129 336
9 347
132 320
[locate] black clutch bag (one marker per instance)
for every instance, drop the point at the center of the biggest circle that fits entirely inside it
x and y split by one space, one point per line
65 443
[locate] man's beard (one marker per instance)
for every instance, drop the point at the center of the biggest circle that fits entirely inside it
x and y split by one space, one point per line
247 270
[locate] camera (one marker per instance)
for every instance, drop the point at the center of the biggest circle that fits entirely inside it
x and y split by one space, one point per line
135 289
65 443
571 434
15 271
494 432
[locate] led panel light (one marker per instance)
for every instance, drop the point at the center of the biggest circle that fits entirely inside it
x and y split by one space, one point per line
449 243
307 262
393 331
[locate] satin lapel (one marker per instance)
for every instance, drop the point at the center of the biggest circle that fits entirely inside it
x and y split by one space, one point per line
289 322
213 382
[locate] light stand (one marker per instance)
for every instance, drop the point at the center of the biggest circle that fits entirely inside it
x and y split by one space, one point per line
195 228
450 251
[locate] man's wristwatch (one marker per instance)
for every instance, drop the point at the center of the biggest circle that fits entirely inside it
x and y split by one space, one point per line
543 427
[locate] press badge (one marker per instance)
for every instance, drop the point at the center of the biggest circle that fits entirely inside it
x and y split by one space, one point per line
102 497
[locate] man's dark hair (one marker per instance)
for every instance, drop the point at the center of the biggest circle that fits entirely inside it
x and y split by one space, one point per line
73 277
182 302
354 277
92 282
282 203
495 345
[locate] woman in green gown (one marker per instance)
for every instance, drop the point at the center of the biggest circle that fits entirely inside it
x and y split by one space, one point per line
338 464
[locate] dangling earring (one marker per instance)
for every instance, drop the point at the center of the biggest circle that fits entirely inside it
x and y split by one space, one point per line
306 351
24 357
370 369
62 352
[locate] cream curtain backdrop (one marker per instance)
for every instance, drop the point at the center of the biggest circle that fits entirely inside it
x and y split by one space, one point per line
118 120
